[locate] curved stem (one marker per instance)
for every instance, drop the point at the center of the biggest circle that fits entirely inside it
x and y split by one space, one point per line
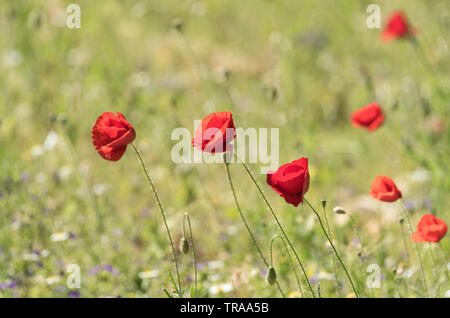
255 243
91 197
405 243
422 55
437 272
338 290
363 250
163 216
419 258
333 247
290 260
197 65
186 217
277 221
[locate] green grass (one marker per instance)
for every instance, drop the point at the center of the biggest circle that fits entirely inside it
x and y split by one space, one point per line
127 57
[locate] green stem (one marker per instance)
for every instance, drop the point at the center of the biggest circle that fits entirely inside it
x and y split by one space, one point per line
437 272
278 222
91 197
197 64
419 258
405 243
290 260
163 216
362 250
338 291
186 217
255 243
333 247
358 237
421 53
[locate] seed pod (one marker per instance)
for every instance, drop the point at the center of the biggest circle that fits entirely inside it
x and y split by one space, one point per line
184 245
324 203
226 74
339 210
178 25
271 276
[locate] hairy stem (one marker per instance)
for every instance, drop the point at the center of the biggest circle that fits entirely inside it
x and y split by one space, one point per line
333 247
289 257
419 258
255 243
278 223
338 290
194 255
163 216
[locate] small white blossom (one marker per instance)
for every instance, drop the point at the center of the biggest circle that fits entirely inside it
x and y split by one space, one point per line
220 288
52 280
59 236
149 274
51 141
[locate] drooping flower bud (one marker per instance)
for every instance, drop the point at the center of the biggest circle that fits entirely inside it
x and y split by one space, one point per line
339 210
184 245
324 203
271 276
178 24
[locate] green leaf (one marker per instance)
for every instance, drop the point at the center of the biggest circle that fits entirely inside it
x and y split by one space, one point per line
173 281
167 293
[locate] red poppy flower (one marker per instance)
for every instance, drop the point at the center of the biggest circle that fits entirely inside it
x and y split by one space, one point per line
215 133
384 189
397 27
111 134
291 181
429 229
369 117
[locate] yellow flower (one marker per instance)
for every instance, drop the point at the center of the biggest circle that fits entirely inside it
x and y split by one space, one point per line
294 294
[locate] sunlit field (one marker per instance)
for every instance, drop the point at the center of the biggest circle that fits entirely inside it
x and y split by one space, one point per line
73 224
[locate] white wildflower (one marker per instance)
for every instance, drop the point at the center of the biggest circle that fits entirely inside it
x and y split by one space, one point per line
59 236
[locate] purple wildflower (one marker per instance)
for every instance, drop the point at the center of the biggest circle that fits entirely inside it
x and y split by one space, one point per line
73 294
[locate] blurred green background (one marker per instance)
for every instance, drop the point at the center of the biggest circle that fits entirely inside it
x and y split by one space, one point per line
301 66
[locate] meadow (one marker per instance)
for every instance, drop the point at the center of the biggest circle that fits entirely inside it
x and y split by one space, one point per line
301 66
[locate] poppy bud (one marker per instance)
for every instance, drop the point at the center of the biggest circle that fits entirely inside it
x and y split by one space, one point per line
178 25
401 219
339 210
184 245
274 93
226 74
324 203
271 276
